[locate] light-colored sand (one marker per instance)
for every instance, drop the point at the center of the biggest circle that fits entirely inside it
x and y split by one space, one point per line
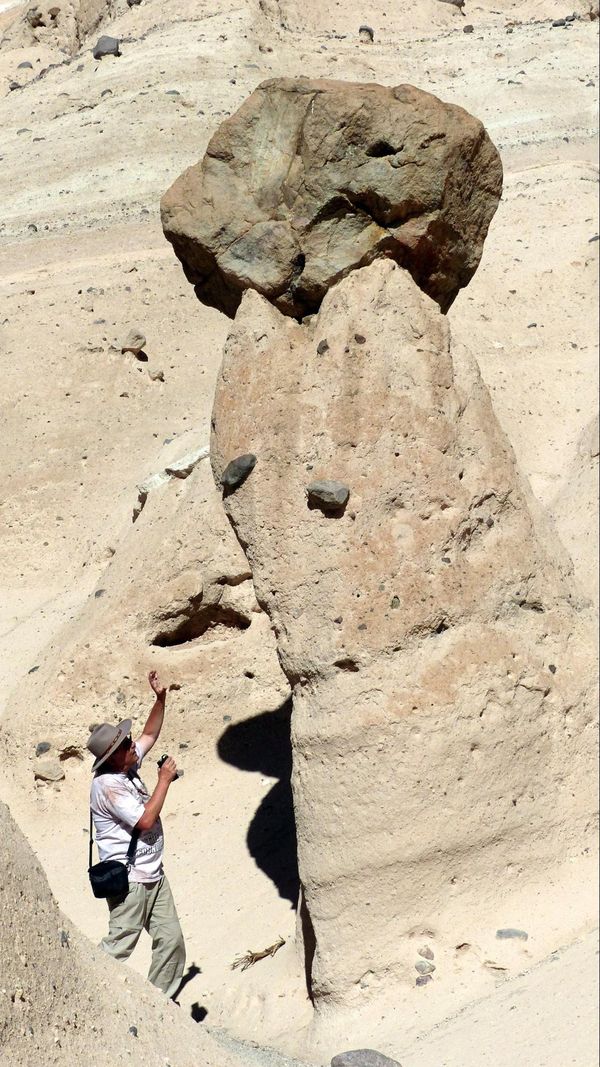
87 170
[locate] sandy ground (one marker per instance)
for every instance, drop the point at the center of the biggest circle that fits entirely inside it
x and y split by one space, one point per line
86 150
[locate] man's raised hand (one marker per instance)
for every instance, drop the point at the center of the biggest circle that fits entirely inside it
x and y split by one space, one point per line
155 685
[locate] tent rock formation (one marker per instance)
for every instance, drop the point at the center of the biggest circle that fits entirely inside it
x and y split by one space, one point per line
442 671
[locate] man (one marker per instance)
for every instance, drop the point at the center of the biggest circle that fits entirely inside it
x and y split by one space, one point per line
121 806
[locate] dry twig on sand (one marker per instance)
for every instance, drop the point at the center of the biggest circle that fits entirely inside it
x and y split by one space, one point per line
249 958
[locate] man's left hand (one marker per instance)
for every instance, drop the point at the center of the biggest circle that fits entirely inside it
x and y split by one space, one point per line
155 684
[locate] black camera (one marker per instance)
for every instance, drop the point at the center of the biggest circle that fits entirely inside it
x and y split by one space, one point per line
162 760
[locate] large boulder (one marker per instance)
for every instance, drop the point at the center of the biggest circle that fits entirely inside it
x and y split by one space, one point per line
442 668
309 180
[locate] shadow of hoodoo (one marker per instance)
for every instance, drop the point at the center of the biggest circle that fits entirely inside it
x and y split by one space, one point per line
263 744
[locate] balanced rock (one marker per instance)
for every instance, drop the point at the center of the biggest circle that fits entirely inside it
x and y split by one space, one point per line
437 728
309 180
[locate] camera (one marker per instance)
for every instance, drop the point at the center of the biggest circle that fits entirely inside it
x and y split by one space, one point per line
162 760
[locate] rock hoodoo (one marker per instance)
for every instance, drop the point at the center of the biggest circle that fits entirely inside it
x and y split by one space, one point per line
441 669
310 180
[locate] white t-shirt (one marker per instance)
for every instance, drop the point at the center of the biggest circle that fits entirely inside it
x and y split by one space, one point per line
117 802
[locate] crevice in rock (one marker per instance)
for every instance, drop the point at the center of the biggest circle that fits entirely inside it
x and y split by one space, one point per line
196 620
309 942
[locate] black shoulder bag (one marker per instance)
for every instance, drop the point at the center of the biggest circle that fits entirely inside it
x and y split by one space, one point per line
110 878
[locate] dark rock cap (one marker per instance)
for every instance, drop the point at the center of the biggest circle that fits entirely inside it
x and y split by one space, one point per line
384 172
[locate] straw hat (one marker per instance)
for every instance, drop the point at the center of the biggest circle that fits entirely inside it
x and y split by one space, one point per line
104 739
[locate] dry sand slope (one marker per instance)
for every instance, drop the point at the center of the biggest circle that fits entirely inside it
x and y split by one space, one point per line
87 148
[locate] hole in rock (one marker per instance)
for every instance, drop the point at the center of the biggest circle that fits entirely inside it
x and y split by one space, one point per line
532 605
381 148
299 264
262 744
346 664
196 620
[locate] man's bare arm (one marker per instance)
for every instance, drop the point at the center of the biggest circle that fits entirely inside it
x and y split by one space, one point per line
154 722
153 808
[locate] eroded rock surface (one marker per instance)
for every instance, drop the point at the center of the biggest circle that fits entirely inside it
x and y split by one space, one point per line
64 25
62 997
309 180
441 667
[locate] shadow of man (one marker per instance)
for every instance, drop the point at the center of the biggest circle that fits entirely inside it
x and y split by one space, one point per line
263 744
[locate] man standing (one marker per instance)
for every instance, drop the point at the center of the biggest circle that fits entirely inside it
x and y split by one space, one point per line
121 806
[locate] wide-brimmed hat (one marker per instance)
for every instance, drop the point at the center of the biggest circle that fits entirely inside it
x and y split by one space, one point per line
104 739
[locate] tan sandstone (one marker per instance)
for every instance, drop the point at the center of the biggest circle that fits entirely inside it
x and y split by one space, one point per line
441 666
64 1002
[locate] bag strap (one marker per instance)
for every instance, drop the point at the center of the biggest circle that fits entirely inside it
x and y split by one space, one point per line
131 851
91 855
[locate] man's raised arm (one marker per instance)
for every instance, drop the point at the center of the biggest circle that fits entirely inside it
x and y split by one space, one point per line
154 722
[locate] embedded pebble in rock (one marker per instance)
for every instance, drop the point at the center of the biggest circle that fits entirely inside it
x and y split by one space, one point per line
42 747
327 495
425 952
366 34
424 967
156 375
49 771
134 342
468 28
238 470
106 46
510 934
423 979
322 347
363 1057
25 65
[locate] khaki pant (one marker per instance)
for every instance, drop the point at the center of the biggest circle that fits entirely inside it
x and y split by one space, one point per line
152 908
